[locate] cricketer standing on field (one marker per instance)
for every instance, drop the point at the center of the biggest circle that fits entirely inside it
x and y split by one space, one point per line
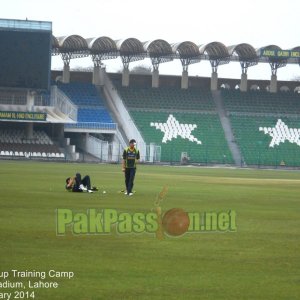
130 157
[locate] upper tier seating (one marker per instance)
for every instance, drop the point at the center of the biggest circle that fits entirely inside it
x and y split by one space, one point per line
81 94
90 105
167 98
93 115
261 102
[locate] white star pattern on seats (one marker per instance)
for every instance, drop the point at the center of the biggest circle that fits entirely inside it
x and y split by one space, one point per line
172 129
281 133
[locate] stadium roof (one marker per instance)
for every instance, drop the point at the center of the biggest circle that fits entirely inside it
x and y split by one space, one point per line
131 49
102 48
158 48
245 52
72 46
214 50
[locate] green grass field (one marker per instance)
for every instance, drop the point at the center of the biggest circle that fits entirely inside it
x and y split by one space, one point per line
260 260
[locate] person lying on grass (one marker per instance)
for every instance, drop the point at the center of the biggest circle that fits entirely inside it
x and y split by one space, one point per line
78 184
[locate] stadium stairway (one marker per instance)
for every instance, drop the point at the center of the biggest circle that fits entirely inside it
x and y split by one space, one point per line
226 124
126 126
120 136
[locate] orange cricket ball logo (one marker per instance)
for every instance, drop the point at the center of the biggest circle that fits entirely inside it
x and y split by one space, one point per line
175 222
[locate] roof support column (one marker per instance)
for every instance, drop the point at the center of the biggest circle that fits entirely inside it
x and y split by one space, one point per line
214 81
130 50
188 53
244 77
155 72
125 76
275 65
29 130
159 52
273 84
59 133
217 54
247 57
155 78
66 73
185 74
244 82
96 75
185 79
30 100
102 72
214 75
66 57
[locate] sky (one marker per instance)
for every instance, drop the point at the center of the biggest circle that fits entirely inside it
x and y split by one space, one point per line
256 22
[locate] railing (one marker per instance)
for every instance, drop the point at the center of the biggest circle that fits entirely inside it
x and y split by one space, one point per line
12 97
92 125
97 148
62 102
112 152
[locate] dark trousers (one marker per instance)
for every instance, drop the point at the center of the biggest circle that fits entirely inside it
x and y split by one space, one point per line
86 181
129 179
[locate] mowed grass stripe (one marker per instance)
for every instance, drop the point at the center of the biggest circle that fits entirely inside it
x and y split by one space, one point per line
259 261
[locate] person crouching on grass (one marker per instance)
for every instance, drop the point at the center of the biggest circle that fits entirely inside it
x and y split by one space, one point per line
76 184
130 157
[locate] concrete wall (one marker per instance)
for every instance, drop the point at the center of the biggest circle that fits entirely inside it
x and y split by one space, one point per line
145 80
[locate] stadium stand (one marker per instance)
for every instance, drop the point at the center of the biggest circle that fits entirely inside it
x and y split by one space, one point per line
167 98
254 117
91 107
213 147
93 115
13 143
81 93
189 116
261 102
